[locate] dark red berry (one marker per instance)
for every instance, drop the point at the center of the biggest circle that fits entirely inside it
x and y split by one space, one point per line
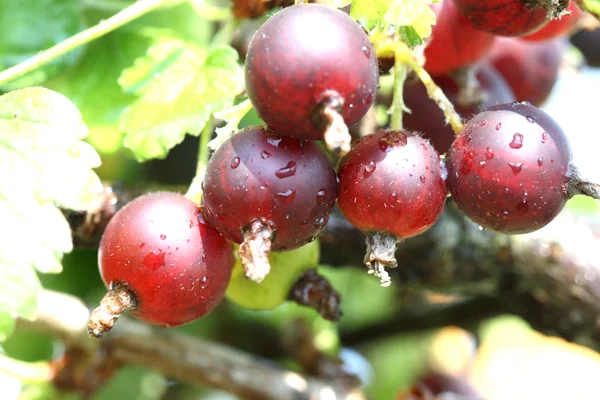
282 183
390 187
454 43
304 59
508 170
529 68
427 118
561 26
175 266
503 17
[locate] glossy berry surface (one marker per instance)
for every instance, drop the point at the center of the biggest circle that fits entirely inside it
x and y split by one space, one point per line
509 168
177 266
428 119
503 17
558 27
529 68
454 43
301 56
282 181
391 182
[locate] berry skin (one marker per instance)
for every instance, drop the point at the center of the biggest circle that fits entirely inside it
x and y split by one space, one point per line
306 58
503 17
508 170
427 118
390 187
174 264
558 27
282 186
529 68
454 42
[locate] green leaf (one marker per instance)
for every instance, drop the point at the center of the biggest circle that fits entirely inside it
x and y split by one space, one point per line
181 86
43 163
7 324
414 16
591 6
410 36
30 26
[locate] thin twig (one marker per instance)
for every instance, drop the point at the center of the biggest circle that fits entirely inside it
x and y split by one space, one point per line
129 14
179 356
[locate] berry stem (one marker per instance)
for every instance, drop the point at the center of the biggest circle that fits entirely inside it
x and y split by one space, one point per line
120 298
337 137
381 249
129 14
398 100
255 249
194 192
315 291
436 94
578 185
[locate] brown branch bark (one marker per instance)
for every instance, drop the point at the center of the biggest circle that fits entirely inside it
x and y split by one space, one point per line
176 355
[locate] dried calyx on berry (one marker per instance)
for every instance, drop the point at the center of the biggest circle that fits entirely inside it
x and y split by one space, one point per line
391 187
268 192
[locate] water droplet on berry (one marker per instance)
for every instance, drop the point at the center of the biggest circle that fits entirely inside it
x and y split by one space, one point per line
191 224
523 207
467 163
483 123
287 197
204 259
489 153
422 178
163 236
235 163
154 260
517 141
516 167
321 197
74 151
287 171
482 163
531 119
369 168
540 161
320 223
366 51
544 137
394 197
499 126
515 103
273 141
265 154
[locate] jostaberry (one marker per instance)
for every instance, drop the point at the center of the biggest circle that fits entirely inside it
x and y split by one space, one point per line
390 187
162 262
454 43
508 17
530 68
558 27
311 70
509 168
268 192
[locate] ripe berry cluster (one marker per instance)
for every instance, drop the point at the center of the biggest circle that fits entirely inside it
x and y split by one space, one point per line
311 72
